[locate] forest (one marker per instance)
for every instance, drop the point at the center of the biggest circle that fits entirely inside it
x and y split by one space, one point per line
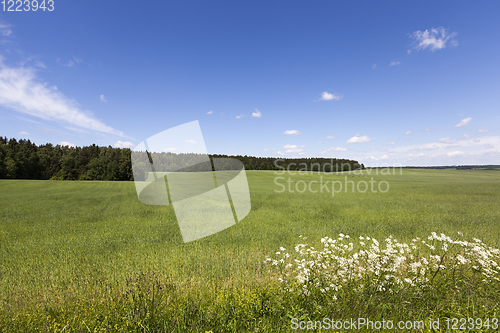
23 159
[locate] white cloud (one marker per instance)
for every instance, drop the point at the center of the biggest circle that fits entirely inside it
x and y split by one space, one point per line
408 133
427 130
23 133
413 156
191 141
463 122
330 137
374 66
445 140
293 149
359 139
391 143
122 144
210 112
470 135
444 144
170 149
334 149
257 114
5 30
20 90
435 39
385 157
103 99
446 151
292 132
326 96
394 63
456 153
65 143
240 116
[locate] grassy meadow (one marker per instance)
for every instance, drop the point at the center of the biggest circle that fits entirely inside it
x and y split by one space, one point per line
88 256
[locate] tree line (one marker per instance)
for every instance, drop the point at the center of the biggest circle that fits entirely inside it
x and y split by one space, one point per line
24 159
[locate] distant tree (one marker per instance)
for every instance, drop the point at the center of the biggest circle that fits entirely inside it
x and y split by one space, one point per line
3 156
10 168
24 160
97 169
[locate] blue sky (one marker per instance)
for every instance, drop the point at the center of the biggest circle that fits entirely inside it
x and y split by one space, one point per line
382 82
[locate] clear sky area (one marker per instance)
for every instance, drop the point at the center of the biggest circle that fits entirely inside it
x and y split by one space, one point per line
381 82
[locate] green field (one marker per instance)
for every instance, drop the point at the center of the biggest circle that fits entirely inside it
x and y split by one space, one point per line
84 255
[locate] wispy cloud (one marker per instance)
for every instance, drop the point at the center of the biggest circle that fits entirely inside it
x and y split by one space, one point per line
210 112
330 137
470 135
463 122
447 145
445 151
359 139
456 153
257 114
374 66
191 141
103 99
240 116
33 60
433 39
122 144
72 62
23 133
394 63
445 140
391 143
326 96
408 132
5 30
48 130
292 132
21 91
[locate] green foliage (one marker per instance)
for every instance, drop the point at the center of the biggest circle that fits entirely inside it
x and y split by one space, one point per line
24 160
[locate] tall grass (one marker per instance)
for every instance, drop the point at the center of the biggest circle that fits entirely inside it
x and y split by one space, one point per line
80 256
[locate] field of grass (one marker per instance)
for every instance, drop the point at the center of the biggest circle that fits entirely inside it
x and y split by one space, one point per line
89 256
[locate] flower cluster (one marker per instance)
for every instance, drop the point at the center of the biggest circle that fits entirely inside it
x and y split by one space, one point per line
342 263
